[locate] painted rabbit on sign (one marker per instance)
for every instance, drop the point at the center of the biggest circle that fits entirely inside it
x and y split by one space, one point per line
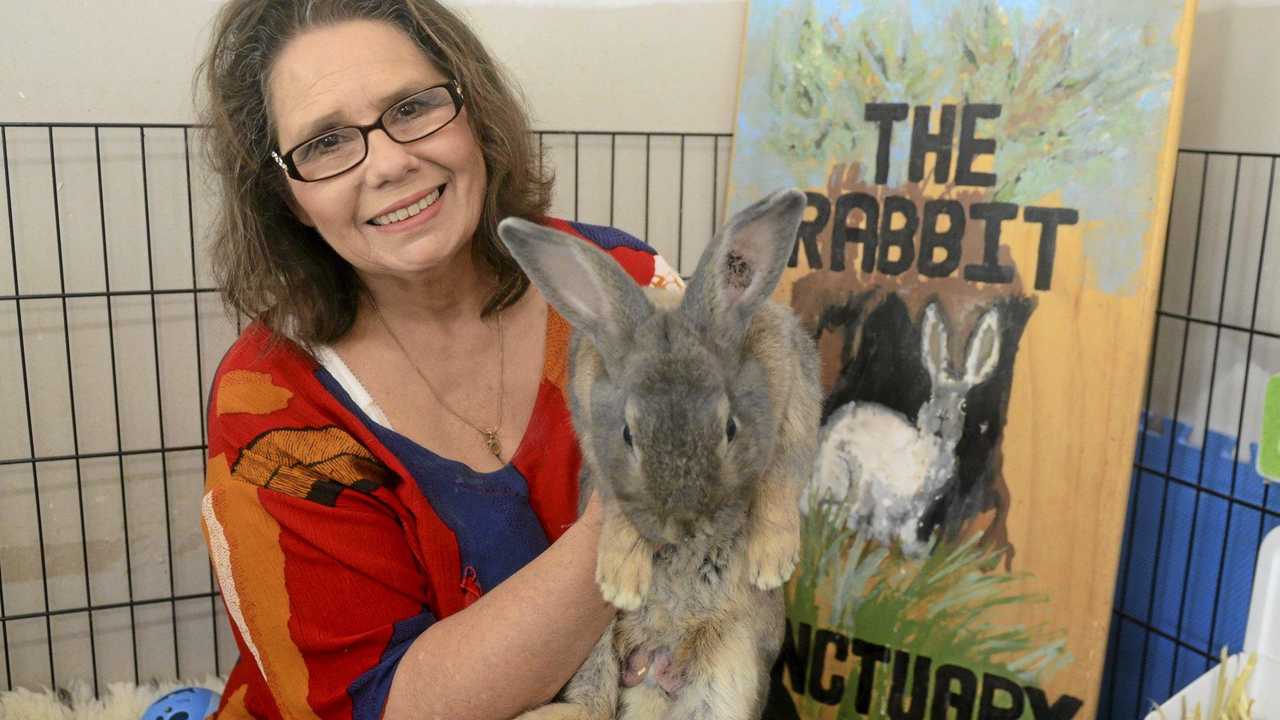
698 420
890 470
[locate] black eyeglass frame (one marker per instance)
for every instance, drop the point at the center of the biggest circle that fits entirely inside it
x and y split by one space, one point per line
285 159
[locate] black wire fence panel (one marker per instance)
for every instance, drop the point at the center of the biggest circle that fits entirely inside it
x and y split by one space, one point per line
1198 509
110 331
111 328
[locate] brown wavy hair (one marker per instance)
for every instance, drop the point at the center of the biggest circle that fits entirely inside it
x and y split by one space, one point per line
272 267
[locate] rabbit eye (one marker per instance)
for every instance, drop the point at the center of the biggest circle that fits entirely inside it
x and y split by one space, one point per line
730 429
626 434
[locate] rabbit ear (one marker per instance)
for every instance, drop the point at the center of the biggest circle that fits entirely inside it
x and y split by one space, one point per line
742 266
933 343
586 286
984 349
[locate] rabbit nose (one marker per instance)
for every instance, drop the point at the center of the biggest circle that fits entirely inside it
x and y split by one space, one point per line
679 527
673 530
692 525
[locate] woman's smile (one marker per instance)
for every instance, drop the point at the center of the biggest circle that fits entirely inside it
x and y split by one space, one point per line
410 215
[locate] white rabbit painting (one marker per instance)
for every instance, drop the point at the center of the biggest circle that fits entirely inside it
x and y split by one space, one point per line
890 471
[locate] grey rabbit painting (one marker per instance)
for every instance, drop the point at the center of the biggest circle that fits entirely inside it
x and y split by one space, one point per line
698 418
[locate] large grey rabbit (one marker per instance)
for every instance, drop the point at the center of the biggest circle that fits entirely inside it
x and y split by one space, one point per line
697 419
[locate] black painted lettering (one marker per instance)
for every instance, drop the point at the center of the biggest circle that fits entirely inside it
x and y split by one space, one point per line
1065 708
949 240
807 235
886 114
925 143
902 238
962 698
827 694
865 236
971 146
871 655
991 271
1050 219
919 687
794 657
1010 703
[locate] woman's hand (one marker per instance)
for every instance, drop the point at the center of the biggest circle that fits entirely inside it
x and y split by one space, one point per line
518 645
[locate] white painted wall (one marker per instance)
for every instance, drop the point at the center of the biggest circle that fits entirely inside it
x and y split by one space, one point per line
1233 95
584 64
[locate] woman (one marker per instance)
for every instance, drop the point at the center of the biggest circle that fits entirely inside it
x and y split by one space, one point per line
391 505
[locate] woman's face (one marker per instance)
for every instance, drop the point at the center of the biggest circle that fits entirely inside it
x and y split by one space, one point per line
349 74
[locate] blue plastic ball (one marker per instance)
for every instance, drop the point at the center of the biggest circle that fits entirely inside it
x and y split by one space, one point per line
191 703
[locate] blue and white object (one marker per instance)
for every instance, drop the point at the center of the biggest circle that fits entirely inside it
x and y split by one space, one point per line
1262 638
189 703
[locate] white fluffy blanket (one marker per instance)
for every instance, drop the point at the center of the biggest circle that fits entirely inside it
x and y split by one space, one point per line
119 701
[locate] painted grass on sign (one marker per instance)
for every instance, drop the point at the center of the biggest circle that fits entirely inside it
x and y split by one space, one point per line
940 606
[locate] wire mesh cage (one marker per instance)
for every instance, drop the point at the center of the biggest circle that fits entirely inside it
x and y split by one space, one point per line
1198 509
112 330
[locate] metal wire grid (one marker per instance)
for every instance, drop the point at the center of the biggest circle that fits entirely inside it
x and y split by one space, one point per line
1198 510
643 182
114 341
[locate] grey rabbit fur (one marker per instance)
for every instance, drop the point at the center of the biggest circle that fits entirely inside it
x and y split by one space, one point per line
697 417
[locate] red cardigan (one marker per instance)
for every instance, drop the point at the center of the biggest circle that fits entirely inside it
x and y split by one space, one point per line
330 558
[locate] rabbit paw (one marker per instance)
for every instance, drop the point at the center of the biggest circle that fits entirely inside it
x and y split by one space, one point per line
623 575
714 565
771 557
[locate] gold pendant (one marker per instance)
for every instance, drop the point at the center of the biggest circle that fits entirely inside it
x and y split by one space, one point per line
491 440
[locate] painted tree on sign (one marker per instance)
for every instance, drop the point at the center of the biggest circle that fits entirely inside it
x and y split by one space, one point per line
1079 97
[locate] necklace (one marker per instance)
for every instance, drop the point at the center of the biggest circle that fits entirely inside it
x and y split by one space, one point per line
490 434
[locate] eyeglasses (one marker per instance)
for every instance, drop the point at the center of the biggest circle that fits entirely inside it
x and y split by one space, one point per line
341 149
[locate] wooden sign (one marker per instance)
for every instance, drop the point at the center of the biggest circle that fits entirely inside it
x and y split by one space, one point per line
988 187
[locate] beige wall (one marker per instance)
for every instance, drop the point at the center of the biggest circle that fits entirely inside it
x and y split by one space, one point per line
1233 98
584 65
